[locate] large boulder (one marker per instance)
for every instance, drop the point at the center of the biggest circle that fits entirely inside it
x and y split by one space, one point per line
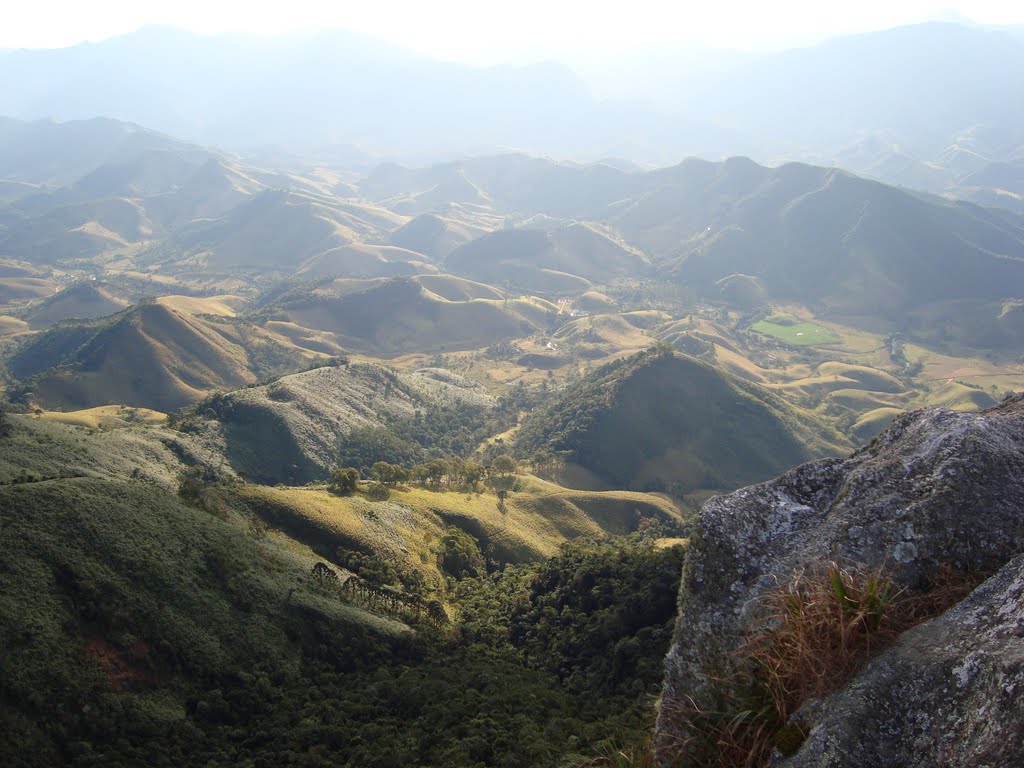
938 489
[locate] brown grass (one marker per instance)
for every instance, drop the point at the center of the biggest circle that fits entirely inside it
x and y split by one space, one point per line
811 636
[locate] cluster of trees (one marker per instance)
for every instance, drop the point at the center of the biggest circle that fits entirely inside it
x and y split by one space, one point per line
440 474
538 667
598 615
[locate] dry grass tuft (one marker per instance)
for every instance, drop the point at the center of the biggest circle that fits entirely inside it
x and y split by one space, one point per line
811 636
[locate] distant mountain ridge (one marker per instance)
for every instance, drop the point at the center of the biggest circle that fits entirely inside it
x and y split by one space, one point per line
924 89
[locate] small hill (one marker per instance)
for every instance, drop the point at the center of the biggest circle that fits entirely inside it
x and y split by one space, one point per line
365 260
455 288
569 257
59 153
274 230
510 183
154 172
79 230
84 300
433 235
209 191
398 316
409 528
660 420
18 290
306 416
226 305
594 301
149 356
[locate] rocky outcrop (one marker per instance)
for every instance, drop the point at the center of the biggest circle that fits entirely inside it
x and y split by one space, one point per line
937 489
949 693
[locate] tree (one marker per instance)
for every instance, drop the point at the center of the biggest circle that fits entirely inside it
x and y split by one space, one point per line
504 465
344 481
472 473
388 474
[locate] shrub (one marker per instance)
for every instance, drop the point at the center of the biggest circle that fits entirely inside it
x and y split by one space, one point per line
344 481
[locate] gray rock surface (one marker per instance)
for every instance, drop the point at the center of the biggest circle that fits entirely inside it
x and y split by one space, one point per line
938 488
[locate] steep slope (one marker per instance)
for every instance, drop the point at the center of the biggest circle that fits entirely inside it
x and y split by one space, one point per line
661 420
124 604
139 627
150 356
847 246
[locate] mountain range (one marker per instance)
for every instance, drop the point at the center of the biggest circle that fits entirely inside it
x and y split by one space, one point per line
842 101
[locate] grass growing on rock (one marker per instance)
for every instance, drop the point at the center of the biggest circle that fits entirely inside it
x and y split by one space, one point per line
810 638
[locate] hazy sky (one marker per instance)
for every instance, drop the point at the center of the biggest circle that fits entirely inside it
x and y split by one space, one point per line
483 31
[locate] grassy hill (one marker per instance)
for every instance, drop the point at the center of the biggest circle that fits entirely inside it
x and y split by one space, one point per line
408 529
149 356
362 260
433 235
661 420
274 230
77 231
307 416
85 300
399 316
568 258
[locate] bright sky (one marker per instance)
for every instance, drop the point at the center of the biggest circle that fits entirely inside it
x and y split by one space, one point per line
482 31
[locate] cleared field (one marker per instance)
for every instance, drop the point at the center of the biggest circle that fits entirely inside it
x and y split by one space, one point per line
798 334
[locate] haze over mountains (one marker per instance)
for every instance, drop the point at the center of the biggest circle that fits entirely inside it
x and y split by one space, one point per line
844 99
357 409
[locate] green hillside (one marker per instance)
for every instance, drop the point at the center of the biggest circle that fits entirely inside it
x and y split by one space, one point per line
150 356
308 418
662 420
199 633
